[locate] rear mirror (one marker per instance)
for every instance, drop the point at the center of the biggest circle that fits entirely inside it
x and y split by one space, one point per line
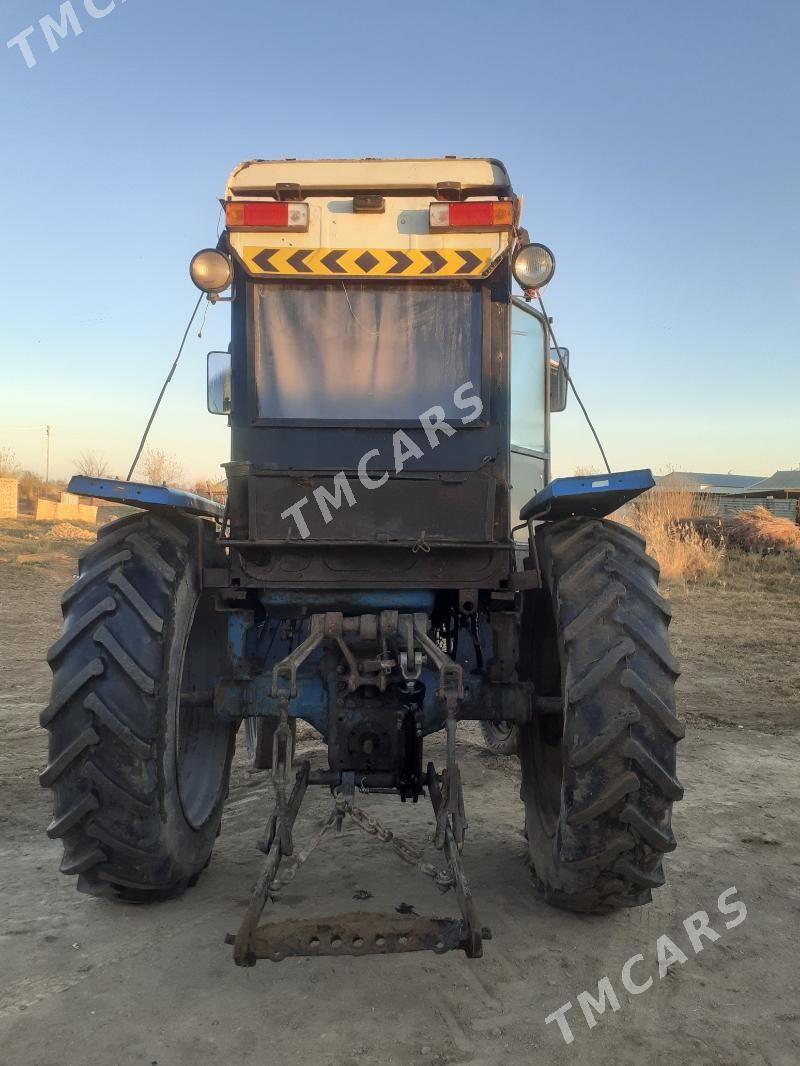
219 383
558 378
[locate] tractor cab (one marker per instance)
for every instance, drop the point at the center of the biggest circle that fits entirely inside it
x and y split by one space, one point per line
376 345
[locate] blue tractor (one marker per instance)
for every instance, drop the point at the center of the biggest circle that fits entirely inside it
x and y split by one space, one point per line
393 559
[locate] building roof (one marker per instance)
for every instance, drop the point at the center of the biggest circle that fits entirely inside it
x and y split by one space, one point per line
782 482
703 482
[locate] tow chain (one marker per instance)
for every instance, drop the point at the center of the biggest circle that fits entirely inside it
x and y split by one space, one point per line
443 879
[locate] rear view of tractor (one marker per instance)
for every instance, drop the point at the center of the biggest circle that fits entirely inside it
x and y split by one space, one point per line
393 559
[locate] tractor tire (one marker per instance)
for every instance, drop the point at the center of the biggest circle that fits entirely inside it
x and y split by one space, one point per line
259 734
501 738
138 770
598 780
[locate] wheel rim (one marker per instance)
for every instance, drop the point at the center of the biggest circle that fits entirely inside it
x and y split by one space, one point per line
202 742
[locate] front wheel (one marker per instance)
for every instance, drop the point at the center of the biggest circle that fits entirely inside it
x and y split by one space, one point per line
502 738
598 780
138 764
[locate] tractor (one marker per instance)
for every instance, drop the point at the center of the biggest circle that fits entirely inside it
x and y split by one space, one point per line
394 559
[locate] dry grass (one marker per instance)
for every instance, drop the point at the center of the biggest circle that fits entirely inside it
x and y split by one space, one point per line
757 574
24 537
68 531
683 553
761 531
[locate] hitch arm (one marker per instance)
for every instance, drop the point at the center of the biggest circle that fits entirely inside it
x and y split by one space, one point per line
473 935
244 948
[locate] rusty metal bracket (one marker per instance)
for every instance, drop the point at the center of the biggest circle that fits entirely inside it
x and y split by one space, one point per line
295 659
359 934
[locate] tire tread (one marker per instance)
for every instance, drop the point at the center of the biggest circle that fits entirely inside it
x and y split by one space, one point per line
619 737
104 716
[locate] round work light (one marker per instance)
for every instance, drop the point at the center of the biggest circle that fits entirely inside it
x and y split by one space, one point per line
534 265
211 271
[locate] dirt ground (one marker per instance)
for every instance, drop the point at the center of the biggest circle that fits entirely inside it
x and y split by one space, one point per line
84 981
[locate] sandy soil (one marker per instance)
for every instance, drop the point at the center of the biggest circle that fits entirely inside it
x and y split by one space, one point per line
85 981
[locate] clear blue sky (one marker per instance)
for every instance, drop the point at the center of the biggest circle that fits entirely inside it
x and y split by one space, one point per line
657 146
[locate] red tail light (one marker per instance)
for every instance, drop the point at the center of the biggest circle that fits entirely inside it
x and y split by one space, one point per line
264 215
474 214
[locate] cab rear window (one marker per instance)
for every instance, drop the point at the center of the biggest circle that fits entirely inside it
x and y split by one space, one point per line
347 351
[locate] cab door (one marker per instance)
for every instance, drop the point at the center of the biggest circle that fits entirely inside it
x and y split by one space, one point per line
530 403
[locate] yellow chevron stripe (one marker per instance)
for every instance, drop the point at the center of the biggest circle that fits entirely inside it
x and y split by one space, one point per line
385 261
348 264
454 262
343 262
314 260
420 263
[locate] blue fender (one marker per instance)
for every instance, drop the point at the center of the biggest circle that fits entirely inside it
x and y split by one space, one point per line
594 496
148 497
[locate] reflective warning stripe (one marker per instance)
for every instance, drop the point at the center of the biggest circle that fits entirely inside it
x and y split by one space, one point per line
367 262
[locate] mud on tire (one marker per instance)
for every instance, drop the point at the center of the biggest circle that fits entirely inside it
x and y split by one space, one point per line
139 778
599 783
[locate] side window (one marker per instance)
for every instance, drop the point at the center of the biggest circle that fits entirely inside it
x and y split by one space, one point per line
528 362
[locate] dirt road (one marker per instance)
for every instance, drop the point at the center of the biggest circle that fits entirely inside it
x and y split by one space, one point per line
86 981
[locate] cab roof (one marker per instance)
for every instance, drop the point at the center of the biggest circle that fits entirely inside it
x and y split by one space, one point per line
467 177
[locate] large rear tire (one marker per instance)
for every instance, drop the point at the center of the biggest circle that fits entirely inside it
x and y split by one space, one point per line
138 765
598 781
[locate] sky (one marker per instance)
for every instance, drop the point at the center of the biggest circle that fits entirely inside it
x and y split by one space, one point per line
657 146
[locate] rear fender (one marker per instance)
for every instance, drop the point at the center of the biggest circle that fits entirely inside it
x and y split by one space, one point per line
148 497
594 496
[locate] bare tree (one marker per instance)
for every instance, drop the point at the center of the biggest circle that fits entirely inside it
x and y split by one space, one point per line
160 468
9 467
208 486
91 464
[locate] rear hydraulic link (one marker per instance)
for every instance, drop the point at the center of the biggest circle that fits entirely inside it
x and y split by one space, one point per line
451 691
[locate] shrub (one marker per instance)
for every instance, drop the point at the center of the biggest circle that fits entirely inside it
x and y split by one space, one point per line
160 468
664 518
9 467
91 464
760 530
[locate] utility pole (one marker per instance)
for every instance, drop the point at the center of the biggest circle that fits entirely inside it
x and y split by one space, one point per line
47 464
